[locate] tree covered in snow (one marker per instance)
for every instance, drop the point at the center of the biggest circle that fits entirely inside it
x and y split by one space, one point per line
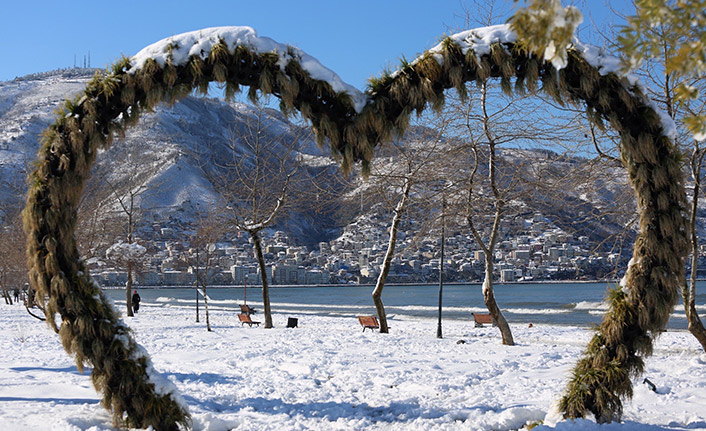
547 28
659 65
665 41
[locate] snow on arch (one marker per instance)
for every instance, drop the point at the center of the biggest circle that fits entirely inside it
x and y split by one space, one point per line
176 50
480 39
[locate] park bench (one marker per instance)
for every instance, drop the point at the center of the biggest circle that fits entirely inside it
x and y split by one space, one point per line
245 318
483 319
246 309
368 322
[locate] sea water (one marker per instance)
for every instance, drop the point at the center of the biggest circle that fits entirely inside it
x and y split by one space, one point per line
576 304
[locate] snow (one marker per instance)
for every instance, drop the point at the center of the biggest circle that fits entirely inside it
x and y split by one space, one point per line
177 50
480 40
624 281
327 374
607 63
123 251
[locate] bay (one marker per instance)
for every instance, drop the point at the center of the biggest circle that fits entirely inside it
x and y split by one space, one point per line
575 304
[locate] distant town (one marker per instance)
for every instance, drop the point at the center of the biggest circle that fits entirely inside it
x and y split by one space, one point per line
532 249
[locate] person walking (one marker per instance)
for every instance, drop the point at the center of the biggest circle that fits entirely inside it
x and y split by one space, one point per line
135 301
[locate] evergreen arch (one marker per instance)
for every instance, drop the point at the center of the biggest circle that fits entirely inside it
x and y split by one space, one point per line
353 123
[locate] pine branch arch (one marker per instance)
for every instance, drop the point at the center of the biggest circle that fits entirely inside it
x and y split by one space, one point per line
353 123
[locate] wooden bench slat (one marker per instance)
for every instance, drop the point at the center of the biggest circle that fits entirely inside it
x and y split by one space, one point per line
483 319
368 322
244 318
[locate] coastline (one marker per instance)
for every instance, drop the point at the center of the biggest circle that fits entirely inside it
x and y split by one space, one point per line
371 285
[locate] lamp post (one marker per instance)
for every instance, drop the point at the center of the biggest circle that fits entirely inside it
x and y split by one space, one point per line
441 261
196 284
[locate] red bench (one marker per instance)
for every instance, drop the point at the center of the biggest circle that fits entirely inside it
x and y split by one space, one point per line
244 318
368 322
483 319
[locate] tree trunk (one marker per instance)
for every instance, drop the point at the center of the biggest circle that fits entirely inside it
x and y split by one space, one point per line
689 292
489 298
263 274
696 327
379 307
6 295
128 289
196 286
205 306
385 269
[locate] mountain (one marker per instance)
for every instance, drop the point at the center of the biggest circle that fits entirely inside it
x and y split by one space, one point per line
176 152
170 151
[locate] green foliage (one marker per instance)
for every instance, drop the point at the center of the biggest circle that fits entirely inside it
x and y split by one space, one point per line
674 30
547 29
671 29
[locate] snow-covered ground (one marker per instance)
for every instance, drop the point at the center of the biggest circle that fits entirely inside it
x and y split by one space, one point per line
329 375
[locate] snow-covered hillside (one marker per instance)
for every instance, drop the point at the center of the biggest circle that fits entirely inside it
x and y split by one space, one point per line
173 146
26 109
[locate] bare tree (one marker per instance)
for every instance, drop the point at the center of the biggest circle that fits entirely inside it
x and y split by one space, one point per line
492 140
96 226
413 161
13 267
496 168
201 255
128 186
256 180
13 264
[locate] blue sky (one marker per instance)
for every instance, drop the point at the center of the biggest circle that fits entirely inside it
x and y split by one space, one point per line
355 38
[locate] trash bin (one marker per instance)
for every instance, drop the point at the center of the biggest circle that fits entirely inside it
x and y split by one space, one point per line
292 322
